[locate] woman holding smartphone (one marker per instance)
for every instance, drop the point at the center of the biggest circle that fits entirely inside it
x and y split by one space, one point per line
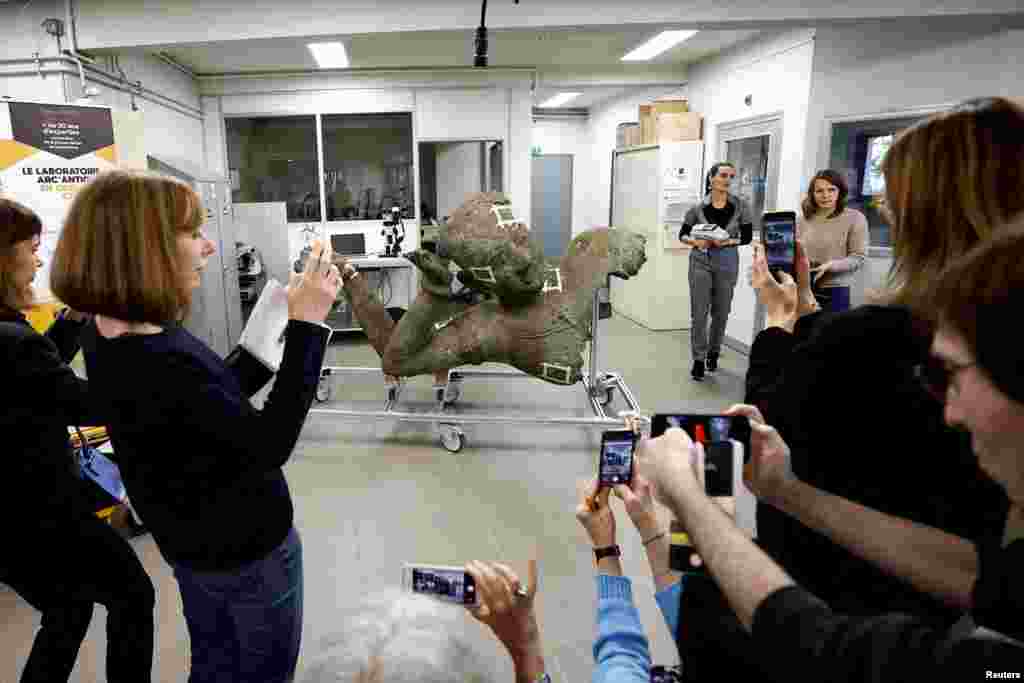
834 237
714 264
50 518
202 464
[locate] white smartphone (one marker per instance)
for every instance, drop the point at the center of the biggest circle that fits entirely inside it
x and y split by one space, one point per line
449 584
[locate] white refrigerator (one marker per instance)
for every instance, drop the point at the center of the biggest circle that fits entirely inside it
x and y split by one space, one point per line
652 189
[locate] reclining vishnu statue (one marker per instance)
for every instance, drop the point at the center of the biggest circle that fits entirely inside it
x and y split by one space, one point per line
488 294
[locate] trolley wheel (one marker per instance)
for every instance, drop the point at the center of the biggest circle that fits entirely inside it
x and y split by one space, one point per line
452 438
323 390
452 392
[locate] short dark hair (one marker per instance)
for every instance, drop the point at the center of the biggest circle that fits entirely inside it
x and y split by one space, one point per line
17 224
810 207
978 296
713 171
117 255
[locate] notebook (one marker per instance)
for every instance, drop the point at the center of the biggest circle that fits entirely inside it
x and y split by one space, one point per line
263 335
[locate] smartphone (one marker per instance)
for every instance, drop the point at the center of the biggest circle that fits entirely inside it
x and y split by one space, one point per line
778 234
615 464
726 441
450 584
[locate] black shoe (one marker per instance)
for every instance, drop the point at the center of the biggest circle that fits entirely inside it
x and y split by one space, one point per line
698 371
712 362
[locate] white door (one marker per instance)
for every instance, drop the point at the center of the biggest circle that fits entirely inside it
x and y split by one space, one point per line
754 146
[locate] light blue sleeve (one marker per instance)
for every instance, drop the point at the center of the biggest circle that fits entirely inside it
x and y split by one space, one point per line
621 652
668 601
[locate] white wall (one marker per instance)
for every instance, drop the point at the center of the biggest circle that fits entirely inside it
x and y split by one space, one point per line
596 180
33 88
569 137
898 66
775 70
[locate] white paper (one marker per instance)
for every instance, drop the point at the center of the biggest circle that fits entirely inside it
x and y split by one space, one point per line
263 335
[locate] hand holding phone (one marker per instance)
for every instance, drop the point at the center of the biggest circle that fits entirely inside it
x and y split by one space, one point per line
778 235
448 584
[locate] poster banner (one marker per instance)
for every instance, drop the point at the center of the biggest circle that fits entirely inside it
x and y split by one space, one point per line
48 152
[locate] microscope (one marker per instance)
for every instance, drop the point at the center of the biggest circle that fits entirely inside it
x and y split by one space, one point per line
393 232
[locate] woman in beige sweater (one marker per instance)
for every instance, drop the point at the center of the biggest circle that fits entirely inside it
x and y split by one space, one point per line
835 239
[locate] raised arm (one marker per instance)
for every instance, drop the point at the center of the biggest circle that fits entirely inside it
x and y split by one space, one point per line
933 561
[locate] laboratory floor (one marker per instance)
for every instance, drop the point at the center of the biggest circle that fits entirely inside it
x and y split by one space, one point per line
370 496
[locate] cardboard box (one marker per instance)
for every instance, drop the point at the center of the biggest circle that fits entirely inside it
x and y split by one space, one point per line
671 106
678 127
647 131
627 135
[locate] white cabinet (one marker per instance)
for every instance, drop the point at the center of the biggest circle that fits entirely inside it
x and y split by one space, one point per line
652 189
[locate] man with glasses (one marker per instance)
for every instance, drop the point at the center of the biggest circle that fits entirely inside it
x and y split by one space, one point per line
976 371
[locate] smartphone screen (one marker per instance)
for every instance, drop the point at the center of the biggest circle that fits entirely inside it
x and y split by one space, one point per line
450 585
616 464
778 231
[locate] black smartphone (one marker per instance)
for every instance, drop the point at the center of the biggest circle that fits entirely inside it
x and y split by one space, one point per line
450 584
778 234
615 464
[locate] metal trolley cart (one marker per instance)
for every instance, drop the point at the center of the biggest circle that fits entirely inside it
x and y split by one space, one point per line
599 386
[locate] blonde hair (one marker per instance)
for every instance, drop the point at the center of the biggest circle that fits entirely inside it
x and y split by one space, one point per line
118 256
951 180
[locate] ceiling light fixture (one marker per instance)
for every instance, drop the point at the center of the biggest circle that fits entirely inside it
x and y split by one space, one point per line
329 55
560 100
658 44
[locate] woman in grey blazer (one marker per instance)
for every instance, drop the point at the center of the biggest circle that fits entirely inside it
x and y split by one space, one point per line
714 263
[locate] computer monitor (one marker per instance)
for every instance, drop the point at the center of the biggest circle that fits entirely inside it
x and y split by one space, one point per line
350 244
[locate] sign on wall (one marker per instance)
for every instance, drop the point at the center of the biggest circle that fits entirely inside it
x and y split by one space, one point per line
48 152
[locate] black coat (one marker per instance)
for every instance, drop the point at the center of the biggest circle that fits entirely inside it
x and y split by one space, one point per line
41 397
841 391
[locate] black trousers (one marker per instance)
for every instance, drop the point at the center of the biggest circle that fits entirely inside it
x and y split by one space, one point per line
62 568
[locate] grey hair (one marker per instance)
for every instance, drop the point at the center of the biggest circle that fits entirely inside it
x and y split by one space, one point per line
399 637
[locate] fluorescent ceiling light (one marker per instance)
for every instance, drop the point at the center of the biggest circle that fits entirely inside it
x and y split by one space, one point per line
329 55
658 44
560 100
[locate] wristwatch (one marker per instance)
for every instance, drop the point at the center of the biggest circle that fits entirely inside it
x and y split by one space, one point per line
607 551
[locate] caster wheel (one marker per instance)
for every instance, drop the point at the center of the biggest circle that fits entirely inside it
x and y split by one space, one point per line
323 390
452 438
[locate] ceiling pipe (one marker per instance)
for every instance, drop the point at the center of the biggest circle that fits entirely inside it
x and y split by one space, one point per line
72 51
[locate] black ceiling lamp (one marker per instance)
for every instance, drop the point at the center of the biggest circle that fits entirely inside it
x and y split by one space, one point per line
480 58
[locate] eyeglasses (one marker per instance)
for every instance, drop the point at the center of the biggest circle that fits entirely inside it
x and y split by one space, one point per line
726 175
938 375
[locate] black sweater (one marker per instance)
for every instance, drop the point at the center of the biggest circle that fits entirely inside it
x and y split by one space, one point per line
202 466
41 397
842 393
808 641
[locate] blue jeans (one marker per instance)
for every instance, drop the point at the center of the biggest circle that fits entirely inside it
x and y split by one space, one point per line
246 625
833 299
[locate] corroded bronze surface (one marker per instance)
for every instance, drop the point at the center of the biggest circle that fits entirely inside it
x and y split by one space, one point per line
537 315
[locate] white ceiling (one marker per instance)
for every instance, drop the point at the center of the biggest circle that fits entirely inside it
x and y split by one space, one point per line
577 50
